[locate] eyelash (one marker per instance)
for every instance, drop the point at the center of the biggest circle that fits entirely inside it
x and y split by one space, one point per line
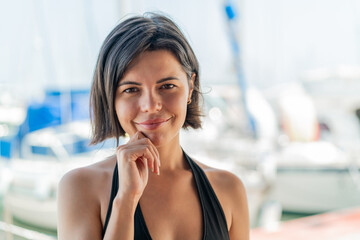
168 86
165 86
131 90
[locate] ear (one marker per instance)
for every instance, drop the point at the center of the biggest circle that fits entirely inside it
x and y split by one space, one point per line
191 85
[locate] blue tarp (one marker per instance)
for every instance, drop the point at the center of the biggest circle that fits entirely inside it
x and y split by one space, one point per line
58 107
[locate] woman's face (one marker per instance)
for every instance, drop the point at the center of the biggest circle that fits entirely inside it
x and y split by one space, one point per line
152 97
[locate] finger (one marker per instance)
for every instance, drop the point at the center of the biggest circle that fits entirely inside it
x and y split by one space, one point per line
148 142
139 151
141 135
153 148
149 156
134 137
132 152
140 138
143 167
157 162
142 163
155 152
154 160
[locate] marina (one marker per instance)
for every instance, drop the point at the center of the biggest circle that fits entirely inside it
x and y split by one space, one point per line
281 107
12 229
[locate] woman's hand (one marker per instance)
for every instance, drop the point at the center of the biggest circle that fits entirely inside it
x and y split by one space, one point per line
134 160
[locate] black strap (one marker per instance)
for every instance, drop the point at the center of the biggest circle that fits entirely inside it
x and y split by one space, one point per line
114 190
215 225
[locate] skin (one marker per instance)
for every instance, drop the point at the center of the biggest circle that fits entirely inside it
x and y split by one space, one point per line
151 166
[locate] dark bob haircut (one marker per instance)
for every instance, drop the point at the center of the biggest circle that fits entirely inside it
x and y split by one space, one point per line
125 42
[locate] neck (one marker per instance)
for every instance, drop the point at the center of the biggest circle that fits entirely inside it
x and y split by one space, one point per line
171 156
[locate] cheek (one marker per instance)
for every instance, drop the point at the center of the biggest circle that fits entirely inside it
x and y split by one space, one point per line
125 112
177 104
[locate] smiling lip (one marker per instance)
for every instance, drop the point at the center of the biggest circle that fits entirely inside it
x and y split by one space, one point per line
153 123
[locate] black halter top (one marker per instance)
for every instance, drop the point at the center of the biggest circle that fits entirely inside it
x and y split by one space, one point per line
214 221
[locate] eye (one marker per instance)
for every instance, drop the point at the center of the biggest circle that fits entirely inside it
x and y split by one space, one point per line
131 90
167 86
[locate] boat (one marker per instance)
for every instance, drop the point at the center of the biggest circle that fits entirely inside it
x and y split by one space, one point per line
317 163
12 115
315 177
48 153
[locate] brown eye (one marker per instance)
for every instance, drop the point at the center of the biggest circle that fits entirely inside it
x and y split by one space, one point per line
131 90
167 86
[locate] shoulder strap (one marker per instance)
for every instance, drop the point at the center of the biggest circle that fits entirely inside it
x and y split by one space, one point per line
114 190
213 214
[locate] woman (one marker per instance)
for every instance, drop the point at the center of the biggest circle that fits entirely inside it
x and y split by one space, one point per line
146 85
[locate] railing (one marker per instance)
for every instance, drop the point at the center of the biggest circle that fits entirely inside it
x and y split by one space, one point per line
11 230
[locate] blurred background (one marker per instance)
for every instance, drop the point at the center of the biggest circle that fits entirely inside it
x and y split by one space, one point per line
281 83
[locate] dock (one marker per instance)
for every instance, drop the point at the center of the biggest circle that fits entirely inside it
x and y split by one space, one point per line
338 225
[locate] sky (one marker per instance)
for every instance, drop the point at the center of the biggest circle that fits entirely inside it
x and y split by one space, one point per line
54 44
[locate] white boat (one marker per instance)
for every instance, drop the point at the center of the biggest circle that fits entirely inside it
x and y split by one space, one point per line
31 191
318 166
314 177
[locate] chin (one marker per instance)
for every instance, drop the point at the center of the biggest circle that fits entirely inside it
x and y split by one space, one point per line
156 139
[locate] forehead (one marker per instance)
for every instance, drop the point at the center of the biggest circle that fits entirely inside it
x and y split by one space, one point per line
156 63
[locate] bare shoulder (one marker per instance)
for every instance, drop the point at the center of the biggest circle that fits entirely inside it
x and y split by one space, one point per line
231 193
84 177
224 180
85 185
79 200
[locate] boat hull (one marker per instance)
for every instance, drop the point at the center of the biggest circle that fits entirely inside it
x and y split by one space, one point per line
39 213
315 190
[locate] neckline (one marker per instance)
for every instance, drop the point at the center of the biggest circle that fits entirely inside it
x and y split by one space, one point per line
196 179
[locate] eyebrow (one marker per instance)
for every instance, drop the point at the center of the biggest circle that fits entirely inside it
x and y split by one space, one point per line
138 84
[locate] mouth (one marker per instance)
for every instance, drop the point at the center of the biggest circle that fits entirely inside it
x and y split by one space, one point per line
153 124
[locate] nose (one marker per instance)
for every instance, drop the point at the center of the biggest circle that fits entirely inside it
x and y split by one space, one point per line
150 102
